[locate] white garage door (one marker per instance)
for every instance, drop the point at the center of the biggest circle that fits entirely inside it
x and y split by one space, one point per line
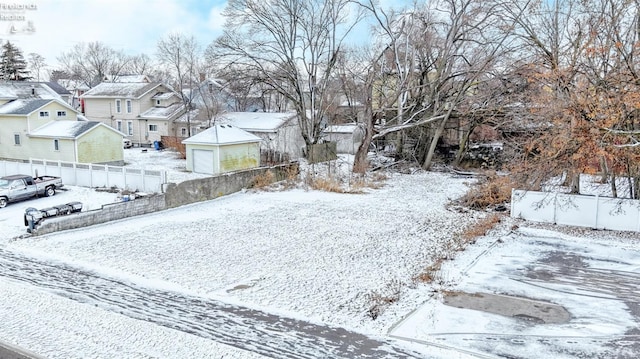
203 161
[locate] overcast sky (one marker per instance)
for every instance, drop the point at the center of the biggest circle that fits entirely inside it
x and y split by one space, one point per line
50 27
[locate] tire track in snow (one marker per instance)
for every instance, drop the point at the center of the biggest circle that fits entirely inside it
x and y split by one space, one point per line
241 327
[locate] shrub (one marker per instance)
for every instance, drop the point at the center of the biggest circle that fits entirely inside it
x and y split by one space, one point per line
493 191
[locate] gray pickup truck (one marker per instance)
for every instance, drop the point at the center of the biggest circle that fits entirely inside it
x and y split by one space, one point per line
19 187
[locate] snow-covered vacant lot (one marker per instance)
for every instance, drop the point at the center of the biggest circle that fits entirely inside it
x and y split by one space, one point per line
301 253
313 255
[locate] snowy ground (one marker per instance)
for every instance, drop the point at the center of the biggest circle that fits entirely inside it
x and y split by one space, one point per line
302 253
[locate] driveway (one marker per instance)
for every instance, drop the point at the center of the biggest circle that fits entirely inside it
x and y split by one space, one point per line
536 294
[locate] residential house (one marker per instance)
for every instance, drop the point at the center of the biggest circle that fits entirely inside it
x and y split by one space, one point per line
37 123
142 111
279 131
222 148
77 141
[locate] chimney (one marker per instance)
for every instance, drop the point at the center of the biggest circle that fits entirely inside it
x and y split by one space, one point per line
33 90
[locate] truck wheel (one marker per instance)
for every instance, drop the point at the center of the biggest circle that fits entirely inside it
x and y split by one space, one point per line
49 191
3 202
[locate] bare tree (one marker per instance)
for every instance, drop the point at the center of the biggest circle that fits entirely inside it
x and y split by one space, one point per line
292 45
91 62
439 54
140 65
181 55
36 64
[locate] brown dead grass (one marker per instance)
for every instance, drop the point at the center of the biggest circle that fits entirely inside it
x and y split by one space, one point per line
467 237
263 180
480 228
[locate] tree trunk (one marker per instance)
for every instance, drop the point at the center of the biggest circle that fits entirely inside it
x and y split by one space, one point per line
434 142
629 179
575 183
614 188
463 145
604 169
360 163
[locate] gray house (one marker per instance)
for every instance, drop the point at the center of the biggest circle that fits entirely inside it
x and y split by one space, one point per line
279 131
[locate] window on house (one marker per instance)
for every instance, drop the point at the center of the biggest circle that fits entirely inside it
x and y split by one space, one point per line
118 106
153 128
62 113
157 102
129 106
56 145
183 132
130 128
119 126
16 139
44 113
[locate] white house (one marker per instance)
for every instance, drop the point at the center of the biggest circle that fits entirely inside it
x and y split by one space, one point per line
279 131
222 148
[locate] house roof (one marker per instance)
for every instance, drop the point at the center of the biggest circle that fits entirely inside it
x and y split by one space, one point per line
189 116
163 95
56 87
121 90
222 135
11 90
22 106
348 128
64 129
25 107
257 121
127 78
162 112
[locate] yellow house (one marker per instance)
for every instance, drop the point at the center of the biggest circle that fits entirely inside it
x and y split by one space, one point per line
22 124
222 148
77 141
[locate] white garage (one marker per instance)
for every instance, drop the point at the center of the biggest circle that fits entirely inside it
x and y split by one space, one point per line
222 148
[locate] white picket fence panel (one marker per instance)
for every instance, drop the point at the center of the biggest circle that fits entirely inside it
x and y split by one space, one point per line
577 210
90 175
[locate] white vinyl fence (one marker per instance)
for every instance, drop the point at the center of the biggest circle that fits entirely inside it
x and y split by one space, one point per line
577 210
90 175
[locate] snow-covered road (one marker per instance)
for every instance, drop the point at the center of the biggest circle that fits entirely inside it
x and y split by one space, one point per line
237 326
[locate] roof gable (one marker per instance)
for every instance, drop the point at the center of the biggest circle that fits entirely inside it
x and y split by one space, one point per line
222 135
68 129
121 90
258 121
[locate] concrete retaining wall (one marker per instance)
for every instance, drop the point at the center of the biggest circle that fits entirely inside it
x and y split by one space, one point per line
108 212
213 187
175 195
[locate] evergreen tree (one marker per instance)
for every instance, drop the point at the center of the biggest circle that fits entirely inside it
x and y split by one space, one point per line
12 64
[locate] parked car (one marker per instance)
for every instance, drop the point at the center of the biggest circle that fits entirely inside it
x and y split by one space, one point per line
19 187
126 143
